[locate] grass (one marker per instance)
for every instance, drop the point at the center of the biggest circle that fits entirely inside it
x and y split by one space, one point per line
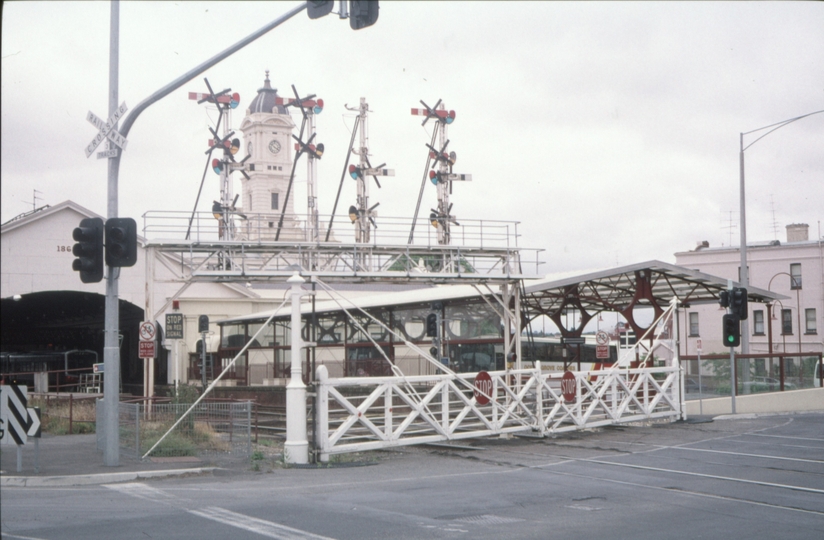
54 416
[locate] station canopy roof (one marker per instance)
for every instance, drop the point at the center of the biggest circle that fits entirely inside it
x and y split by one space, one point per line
616 289
652 283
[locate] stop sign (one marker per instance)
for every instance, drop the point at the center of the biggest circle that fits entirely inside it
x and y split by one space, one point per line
568 386
483 383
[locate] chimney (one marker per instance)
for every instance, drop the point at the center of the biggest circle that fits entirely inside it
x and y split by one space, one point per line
798 232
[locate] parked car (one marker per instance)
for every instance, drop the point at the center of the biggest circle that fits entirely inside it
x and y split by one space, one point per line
766 384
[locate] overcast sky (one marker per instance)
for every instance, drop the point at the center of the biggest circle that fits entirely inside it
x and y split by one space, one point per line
610 131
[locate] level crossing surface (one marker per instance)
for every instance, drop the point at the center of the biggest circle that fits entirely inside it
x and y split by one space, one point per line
734 477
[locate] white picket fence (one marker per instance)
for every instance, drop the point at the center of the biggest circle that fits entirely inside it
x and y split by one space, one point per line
356 414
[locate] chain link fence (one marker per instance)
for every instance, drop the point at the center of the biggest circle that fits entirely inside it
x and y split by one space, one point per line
211 428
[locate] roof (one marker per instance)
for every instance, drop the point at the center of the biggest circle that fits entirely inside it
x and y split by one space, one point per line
45 211
614 289
264 101
401 298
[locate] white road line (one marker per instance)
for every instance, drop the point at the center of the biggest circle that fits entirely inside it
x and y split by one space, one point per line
693 493
748 455
142 491
702 475
783 437
255 525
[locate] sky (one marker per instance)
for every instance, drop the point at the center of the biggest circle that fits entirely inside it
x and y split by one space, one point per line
609 131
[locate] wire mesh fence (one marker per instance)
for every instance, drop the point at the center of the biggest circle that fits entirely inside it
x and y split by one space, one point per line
211 428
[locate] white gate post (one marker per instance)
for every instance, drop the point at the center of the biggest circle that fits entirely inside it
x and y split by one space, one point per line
296 448
322 426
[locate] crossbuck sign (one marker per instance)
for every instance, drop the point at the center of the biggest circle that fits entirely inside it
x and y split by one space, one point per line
107 131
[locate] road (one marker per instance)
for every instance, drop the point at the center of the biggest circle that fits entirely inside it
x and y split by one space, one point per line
735 478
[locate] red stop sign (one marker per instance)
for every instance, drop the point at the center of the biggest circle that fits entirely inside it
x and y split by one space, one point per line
568 386
483 383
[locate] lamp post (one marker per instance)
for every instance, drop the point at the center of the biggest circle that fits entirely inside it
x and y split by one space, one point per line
793 285
744 278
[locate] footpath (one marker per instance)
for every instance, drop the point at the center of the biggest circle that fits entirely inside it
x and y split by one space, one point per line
74 460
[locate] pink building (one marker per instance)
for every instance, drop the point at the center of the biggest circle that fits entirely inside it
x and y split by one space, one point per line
794 268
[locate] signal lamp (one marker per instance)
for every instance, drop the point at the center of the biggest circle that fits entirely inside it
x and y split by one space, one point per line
217 166
121 242
353 213
432 325
354 172
318 108
88 250
319 150
433 177
453 157
732 330
433 218
234 102
450 117
217 210
235 146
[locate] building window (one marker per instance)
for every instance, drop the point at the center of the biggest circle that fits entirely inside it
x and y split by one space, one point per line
694 324
795 274
809 317
786 321
758 322
274 201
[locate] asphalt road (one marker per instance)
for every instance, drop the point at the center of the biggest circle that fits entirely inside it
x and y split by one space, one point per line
731 478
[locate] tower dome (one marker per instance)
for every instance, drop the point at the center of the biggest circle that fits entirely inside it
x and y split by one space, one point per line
264 101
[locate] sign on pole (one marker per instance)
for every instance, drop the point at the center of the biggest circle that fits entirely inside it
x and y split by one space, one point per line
601 345
106 131
147 349
14 414
147 331
174 326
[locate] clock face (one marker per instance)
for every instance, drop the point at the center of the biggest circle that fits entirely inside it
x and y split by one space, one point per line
249 148
274 146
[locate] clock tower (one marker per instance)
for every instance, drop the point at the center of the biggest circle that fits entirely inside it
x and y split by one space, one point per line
267 132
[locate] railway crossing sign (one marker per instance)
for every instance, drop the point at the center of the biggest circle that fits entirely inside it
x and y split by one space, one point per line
483 383
107 131
568 386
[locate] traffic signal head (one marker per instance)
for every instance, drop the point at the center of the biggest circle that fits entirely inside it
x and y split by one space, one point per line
319 8
362 13
738 302
203 324
217 166
724 298
88 250
732 330
354 172
432 325
121 242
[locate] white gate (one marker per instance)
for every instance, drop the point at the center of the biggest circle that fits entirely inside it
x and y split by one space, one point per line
356 414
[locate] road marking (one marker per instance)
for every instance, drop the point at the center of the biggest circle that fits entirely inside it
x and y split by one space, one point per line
142 491
748 455
784 437
702 475
255 525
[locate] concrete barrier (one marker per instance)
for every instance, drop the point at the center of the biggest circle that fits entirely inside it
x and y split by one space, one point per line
810 399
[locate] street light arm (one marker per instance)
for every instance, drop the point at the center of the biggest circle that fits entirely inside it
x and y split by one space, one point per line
775 126
189 75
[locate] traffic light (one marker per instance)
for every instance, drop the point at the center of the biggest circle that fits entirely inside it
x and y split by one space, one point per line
88 250
432 325
724 298
732 330
121 242
319 8
203 324
738 302
362 13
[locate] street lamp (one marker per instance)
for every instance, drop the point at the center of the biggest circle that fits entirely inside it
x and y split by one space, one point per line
793 285
744 277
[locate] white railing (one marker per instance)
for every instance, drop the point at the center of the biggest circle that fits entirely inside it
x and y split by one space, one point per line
356 414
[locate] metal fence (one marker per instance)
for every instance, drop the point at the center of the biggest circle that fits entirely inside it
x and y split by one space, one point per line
211 428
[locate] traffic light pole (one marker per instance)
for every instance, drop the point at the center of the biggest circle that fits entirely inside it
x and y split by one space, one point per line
732 358
111 349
